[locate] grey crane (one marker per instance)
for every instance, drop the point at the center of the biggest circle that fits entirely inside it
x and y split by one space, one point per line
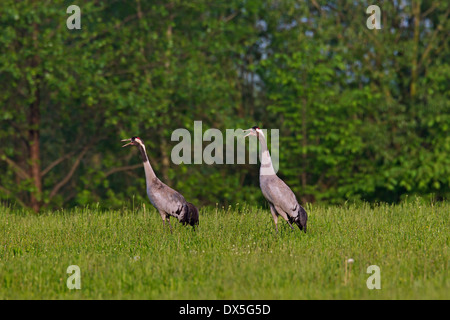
166 200
282 200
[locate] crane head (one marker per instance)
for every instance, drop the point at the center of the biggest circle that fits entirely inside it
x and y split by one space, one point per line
252 131
134 141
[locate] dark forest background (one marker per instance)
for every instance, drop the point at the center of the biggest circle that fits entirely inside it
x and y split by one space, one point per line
363 114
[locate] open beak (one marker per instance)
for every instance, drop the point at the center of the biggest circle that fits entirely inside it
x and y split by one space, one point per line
129 143
249 132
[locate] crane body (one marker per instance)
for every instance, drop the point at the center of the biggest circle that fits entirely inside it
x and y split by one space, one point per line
166 200
282 200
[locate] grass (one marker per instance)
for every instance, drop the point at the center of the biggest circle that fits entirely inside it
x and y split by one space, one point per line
234 254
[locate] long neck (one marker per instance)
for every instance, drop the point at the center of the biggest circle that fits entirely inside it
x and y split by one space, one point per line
266 161
149 173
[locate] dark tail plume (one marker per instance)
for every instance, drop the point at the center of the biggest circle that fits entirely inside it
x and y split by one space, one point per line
192 215
302 218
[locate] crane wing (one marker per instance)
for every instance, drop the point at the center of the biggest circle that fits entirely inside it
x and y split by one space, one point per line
277 192
166 199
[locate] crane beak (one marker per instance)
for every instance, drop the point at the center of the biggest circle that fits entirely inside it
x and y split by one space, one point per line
249 132
127 143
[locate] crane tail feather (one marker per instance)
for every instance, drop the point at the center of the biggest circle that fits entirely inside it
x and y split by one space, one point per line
191 216
301 219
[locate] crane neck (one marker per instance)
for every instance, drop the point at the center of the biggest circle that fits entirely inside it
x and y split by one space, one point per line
266 168
149 173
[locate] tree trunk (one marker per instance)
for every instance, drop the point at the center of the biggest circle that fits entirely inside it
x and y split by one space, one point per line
165 162
414 71
34 119
304 144
34 151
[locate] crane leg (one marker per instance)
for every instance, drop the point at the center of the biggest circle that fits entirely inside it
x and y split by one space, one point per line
274 216
170 226
165 217
284 215
290 224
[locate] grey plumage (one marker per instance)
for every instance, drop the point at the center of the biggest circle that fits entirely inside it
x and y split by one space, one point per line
282 200
165 199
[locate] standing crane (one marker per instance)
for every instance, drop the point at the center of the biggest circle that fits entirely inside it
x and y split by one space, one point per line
282 200
166 200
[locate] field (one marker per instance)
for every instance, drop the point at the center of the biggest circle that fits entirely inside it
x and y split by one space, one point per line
234 254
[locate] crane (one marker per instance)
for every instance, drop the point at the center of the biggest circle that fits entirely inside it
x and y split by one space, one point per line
165 199
282 200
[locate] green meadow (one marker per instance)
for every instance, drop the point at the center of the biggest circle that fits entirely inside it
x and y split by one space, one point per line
235 253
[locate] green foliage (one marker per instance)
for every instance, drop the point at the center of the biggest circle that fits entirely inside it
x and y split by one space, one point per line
234 254
363 114
354 127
